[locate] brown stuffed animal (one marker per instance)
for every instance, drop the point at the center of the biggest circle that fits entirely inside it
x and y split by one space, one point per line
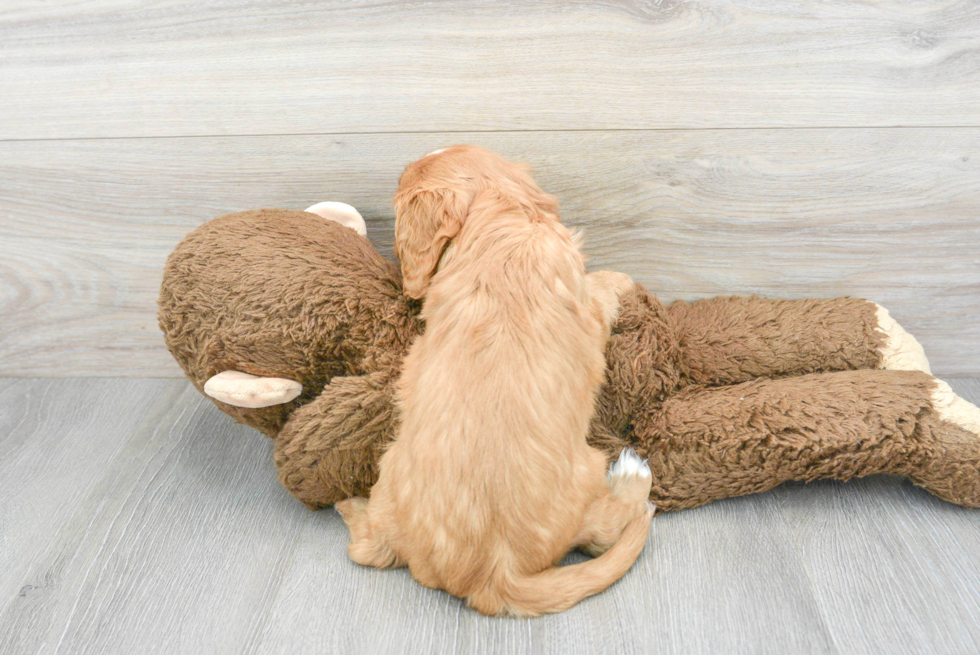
296 326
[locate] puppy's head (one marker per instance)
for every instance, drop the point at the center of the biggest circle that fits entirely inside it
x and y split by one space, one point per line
434 198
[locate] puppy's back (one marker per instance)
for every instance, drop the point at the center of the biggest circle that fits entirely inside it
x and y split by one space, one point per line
495 397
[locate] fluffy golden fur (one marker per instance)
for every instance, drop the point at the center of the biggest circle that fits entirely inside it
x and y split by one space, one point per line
491 481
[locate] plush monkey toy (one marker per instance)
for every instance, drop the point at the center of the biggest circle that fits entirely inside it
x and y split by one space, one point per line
292 323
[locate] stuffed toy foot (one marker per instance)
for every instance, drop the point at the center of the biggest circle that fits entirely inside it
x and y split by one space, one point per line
899 349
953 409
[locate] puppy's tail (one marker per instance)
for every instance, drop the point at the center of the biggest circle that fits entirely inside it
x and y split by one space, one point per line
558 588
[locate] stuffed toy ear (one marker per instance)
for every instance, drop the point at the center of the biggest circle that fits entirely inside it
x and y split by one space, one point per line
341 213
244 390
425 221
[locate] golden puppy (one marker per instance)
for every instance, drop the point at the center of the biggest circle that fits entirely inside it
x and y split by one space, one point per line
490 481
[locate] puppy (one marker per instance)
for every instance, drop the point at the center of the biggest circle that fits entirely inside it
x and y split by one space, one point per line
490 481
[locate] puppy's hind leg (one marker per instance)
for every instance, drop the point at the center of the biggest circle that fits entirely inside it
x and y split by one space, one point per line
629 481
368 546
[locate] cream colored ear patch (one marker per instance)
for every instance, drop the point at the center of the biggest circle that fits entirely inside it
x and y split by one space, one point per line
244 390
341 213
900 351
954 409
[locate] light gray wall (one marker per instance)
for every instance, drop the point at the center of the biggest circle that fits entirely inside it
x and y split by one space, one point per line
706 147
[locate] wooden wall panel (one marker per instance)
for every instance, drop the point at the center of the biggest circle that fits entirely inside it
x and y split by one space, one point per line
888 214
177 68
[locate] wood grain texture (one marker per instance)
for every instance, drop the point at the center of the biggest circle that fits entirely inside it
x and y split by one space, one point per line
173 537
174 68
137 518
688 593
56 439
887 214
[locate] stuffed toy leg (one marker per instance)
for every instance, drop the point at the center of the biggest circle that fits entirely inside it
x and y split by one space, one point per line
727 340
292 323
708 443
729 396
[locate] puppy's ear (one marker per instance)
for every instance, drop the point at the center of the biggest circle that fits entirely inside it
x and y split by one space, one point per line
425 221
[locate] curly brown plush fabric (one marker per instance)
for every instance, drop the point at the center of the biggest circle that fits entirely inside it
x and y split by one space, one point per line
725 396
282 294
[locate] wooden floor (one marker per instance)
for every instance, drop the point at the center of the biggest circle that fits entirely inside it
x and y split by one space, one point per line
134 517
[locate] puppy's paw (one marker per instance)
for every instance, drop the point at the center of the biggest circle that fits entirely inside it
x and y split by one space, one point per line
355 515
353 510
367 547
899 351
629 477
605 288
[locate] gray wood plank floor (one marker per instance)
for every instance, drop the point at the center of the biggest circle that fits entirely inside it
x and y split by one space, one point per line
134 517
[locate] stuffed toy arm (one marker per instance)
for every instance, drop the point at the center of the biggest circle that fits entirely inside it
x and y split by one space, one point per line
329 448
727 340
